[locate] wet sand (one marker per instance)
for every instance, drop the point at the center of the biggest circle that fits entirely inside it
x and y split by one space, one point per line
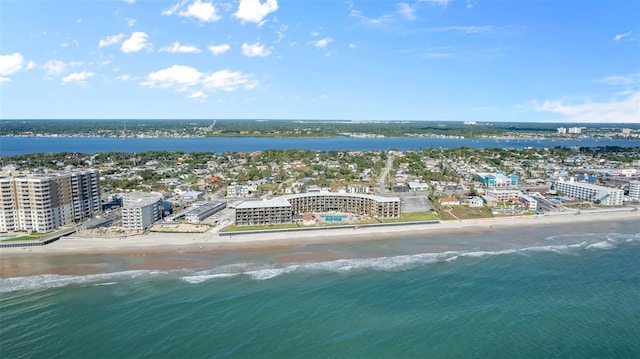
163 251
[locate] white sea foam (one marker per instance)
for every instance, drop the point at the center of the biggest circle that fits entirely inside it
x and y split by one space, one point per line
195 279
601 245
56 281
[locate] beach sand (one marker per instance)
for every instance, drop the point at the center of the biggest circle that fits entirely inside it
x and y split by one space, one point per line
24 261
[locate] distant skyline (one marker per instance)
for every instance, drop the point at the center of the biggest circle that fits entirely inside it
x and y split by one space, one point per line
431 60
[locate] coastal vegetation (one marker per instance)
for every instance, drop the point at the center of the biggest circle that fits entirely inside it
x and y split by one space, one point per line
304 128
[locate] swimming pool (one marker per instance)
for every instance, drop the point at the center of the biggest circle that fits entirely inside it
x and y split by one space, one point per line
332 218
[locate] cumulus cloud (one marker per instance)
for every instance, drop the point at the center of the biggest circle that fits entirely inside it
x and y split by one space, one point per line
10 64
219 49
203 11
256 49
322 43
79 78
185 78
198 95
255 11
227 80
137 42
619 109
407 11
111 40
621 36
57 67
177 47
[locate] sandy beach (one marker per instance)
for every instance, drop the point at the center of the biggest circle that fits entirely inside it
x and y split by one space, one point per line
153 243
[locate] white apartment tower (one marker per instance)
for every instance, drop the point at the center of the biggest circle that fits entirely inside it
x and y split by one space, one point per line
634 190
44 202
140 210
589 192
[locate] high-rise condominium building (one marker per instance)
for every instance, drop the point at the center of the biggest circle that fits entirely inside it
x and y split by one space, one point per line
44 202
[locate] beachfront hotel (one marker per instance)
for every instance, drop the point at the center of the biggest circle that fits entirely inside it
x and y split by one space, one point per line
140 210
498 179
589 192
282 209
634 190
44 202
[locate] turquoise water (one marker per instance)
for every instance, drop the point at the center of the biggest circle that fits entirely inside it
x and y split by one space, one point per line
332 218
545 293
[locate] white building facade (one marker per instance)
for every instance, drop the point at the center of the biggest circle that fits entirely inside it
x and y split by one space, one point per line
590 192
634 190
140 211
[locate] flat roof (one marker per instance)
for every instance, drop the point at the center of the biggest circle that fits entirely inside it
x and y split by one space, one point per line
334 194
276 202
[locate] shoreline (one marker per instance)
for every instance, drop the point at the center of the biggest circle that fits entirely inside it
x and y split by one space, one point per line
79 256
158 243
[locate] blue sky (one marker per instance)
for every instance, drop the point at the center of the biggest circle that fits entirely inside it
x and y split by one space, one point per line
434 60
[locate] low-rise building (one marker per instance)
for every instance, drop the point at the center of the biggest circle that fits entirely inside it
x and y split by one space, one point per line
498 179
282 209
590 192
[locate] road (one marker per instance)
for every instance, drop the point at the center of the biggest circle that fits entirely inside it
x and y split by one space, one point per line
383 176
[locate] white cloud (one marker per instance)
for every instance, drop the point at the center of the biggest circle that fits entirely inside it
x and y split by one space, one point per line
466 29
129 1
57 67
124 77
177 76
322 43
4 80
203 11
185 78
79 21
255 11
381 20
131 22
621 79
253 50
352 46
30 65
10 64
198 95
621 36
615 110
227 80
407 11
111 40
219 49
176 47
436 2
137 42
79 78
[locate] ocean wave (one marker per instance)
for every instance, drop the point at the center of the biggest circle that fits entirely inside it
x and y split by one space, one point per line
45 281
269 271
393 263
195 279
601 245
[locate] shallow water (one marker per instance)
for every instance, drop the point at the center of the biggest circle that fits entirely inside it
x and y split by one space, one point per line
556 291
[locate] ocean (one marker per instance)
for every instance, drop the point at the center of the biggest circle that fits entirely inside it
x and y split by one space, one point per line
11 146
534 292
